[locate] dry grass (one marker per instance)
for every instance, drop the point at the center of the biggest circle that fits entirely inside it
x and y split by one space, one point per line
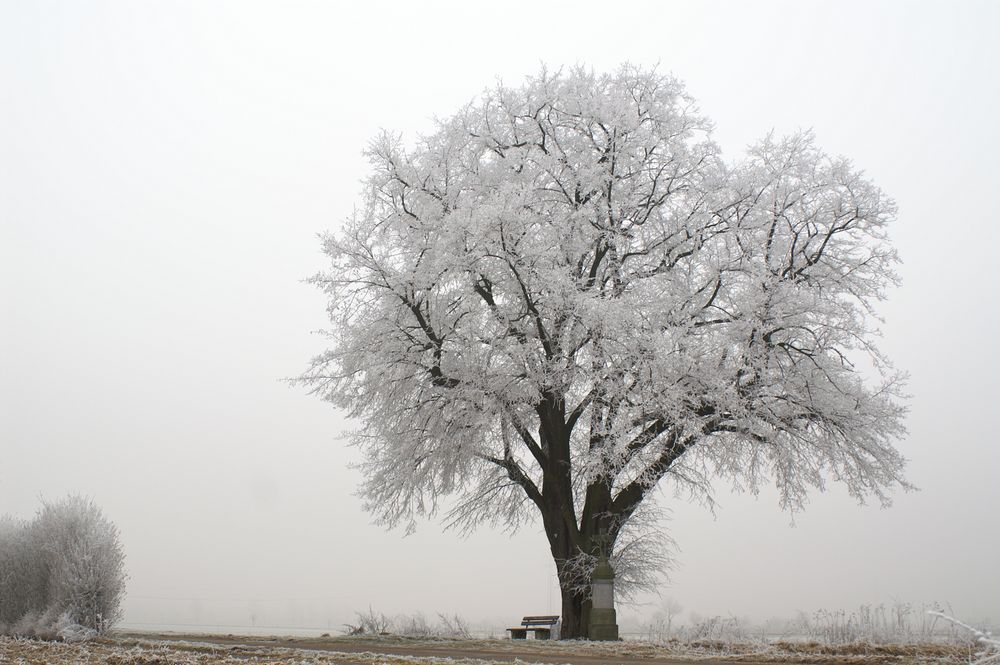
868 653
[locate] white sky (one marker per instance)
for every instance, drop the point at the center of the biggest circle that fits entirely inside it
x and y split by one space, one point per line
164 168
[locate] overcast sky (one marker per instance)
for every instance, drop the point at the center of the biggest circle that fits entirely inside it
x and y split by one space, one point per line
164 171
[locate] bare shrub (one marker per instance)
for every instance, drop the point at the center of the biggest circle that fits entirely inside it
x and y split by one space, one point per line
663 625
370 622
414 625
409 625
453 626
717 629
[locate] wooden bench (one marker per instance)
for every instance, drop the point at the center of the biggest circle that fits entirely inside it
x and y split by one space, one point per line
541 626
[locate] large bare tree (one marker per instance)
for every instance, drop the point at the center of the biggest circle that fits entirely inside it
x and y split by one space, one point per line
564 296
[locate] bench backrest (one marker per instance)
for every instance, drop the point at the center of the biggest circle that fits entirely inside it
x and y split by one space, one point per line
540 620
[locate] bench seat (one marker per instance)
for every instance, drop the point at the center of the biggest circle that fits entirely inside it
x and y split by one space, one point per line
541 626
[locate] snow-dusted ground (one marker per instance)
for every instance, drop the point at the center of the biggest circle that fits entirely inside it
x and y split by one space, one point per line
133 652
372 651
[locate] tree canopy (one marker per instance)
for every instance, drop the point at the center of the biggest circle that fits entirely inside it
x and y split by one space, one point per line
565 295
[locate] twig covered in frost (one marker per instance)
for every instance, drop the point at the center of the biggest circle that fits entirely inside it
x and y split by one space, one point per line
991 652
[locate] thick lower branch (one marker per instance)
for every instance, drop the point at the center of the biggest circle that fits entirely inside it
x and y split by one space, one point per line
517 474
631 495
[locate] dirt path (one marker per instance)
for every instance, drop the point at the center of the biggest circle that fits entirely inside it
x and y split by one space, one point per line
536 653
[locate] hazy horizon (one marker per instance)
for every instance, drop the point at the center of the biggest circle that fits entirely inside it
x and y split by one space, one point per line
165 170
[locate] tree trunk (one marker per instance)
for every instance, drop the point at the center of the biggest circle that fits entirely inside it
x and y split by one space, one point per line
574 592
567 538
574 620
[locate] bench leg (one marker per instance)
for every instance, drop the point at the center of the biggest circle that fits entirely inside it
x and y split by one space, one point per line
516 634
542 633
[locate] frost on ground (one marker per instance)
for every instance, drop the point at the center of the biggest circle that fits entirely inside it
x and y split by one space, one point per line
340 651
135 652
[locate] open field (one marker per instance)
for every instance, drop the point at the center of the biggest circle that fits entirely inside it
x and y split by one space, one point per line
175 649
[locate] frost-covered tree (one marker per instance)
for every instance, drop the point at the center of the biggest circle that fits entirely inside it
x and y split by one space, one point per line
62 572
564 296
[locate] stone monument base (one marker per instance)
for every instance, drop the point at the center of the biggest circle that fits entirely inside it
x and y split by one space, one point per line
603 624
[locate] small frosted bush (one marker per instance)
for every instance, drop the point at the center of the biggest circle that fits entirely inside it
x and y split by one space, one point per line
62 575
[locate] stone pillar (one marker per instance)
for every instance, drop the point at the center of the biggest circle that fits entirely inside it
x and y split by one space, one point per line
603 623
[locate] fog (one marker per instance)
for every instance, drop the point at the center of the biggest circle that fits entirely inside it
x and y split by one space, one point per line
164 171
